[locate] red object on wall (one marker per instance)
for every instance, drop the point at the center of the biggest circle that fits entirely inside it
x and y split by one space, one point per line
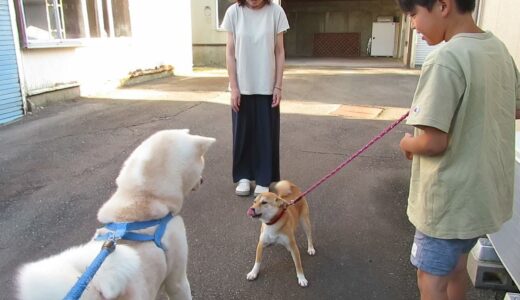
340 44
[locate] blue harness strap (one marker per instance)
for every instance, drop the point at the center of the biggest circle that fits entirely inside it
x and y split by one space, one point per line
79 287
116 232
124 231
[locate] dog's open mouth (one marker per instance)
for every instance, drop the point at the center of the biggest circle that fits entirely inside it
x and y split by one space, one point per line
252 213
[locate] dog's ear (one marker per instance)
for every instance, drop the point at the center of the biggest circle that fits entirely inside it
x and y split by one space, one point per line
257 198
203 143
281 201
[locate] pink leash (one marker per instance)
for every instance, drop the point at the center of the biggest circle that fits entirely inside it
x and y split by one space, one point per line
351 158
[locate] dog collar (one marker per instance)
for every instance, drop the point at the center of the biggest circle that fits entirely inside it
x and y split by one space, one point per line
125 231
278 216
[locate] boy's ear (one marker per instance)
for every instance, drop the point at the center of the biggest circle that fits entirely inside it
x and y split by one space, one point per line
445 6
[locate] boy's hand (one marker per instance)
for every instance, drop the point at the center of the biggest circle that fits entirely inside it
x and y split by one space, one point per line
407 154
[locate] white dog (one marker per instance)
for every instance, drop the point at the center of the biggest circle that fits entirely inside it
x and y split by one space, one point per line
151 185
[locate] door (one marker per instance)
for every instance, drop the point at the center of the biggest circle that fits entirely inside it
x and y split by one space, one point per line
383 39
11 103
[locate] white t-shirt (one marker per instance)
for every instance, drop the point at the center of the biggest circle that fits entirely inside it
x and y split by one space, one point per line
255 32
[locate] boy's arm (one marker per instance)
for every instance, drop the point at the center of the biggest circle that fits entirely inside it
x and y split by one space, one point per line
431 142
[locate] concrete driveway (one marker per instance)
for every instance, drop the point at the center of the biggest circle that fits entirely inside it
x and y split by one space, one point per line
58 165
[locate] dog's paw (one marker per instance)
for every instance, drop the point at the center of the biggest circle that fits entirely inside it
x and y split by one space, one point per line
252 275
302 281
311 251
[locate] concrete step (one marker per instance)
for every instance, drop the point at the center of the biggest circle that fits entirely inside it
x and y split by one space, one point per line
484 251
512 296
489 275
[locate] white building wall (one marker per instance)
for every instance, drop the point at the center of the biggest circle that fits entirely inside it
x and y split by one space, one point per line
161 35
204 14
501 18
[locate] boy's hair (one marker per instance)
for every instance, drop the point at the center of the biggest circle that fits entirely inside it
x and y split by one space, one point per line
463 6
243 2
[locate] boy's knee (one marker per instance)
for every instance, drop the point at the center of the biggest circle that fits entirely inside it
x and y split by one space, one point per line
431 285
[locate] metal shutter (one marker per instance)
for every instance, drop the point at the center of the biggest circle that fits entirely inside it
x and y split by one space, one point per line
11 103
422 49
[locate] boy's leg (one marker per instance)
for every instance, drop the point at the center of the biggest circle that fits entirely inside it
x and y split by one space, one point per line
450 287
458 282
432 287
441 266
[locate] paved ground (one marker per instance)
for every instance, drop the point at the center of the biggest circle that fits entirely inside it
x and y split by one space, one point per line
58 166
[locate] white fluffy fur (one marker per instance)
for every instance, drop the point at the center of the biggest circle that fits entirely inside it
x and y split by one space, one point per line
52 277
153 182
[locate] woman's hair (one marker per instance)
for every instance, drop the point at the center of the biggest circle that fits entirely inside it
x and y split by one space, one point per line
463 6
243 2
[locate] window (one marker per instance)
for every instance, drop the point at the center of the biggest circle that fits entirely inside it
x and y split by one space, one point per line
52 22
222 6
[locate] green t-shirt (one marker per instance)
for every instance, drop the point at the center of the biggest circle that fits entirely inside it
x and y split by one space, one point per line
467 89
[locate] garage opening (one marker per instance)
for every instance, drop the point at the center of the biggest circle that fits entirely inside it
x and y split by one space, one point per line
341 28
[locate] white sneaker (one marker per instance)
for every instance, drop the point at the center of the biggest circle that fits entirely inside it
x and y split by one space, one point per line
261 189
243 187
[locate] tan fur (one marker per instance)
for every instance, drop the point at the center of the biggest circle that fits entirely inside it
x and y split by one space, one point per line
266 207
153 182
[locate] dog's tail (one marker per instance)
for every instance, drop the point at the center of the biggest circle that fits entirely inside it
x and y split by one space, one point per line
52 278
283 188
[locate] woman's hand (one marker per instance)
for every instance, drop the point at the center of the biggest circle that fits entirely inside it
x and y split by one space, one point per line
277 96
235 100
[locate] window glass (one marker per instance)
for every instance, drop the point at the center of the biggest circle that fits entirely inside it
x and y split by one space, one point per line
37 27
74 23
56 20
221 10
92 19
106 20
51 20
121 15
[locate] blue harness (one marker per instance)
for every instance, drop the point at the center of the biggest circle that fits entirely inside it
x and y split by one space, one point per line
118 231
124 231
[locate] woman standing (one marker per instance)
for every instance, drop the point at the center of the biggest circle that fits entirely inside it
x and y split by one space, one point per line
255 59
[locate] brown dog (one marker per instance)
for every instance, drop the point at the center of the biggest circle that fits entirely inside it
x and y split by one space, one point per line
279 222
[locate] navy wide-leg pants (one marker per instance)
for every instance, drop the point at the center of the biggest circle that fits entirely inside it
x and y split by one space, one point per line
256 140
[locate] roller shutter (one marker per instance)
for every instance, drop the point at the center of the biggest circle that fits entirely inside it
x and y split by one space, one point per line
11 103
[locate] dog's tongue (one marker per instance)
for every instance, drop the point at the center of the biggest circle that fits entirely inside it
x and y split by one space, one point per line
250 212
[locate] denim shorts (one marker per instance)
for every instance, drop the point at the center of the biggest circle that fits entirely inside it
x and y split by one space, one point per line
438 256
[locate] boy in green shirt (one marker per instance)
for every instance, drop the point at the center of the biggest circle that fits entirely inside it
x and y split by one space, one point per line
463 111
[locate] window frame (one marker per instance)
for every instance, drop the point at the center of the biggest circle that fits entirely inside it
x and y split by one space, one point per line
217 16
58 21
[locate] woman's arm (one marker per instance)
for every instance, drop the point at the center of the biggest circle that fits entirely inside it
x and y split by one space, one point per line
232 72
279 54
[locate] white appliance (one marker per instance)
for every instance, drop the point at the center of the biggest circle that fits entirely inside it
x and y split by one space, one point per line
507 240
383 39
